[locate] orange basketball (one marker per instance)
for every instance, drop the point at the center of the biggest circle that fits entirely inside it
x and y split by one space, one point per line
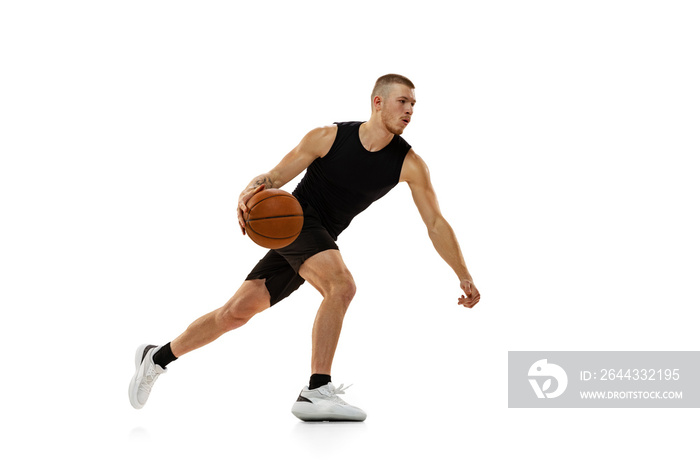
274 218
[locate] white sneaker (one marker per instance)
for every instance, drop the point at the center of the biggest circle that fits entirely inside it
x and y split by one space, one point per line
146 374
324 404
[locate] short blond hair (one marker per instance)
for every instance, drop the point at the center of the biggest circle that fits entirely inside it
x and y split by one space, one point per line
381 87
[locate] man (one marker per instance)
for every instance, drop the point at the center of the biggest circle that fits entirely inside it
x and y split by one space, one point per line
348 166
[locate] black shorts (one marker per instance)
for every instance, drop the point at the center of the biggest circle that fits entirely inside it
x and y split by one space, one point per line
280 267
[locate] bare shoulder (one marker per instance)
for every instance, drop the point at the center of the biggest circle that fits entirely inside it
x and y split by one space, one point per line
319 140
414 169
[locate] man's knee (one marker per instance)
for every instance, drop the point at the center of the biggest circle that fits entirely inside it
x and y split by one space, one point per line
241 308
327 272
232 316
342 288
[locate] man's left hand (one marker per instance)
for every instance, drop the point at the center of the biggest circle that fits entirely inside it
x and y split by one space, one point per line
471 295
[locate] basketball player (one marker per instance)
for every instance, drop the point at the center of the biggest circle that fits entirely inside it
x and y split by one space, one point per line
348 167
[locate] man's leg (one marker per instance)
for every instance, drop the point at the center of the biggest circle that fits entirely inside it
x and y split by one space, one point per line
327 272
251 298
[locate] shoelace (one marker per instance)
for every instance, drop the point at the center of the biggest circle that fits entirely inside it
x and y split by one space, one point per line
341 390
333 393
150 378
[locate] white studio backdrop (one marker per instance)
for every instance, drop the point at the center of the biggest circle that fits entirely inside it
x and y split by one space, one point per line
562 139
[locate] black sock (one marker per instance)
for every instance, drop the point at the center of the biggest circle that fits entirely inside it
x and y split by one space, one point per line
318 380
164 356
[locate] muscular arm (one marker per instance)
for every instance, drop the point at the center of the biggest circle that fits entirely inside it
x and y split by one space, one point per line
415 173
315 144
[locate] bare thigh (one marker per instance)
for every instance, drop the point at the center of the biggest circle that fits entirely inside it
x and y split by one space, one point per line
327 272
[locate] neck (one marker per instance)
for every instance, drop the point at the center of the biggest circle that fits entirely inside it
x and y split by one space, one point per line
374 135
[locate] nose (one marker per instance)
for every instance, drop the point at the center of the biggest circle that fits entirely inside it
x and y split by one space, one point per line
409 109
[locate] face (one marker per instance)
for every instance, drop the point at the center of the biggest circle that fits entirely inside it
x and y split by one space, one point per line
397 108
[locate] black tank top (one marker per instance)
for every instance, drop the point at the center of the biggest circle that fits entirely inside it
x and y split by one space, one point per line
350 178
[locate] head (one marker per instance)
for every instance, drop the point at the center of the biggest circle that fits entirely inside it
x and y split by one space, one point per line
393 98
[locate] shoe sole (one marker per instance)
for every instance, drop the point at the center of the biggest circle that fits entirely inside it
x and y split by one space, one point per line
133 387
309 413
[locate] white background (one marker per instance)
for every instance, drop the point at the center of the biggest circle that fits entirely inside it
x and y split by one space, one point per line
561 137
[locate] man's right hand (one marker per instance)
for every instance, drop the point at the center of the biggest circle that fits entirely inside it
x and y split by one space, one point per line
243 200
315 144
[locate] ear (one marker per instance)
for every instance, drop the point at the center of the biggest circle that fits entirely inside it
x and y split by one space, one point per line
377 103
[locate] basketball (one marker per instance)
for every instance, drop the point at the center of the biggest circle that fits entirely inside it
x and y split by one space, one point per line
274 218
